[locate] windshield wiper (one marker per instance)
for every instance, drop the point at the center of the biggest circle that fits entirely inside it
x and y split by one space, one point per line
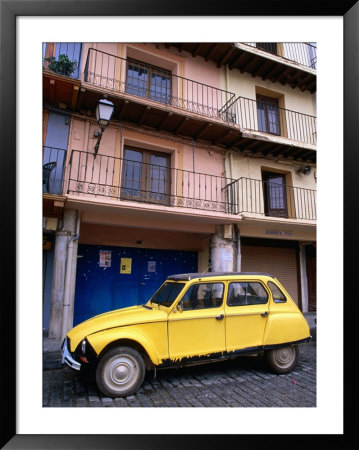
147 307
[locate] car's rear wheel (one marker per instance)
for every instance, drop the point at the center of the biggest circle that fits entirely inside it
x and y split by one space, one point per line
120 372
283 359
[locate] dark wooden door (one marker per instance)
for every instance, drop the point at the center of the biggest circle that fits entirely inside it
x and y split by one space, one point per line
275 194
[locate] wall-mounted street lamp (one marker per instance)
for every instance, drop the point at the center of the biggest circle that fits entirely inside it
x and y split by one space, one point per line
104 111
305 170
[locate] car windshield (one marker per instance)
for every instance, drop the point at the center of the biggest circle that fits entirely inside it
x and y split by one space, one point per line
167 293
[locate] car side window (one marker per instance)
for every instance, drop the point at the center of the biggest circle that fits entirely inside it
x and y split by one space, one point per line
203 295
278 296
246 293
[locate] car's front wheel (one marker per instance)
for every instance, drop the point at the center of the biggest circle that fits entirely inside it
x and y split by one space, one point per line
283 359
120 372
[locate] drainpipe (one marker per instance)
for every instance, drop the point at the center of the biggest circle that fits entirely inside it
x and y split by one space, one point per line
231 163
68 276
227 78
239 251
86 146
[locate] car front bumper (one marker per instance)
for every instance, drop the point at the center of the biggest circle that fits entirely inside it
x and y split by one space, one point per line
67 358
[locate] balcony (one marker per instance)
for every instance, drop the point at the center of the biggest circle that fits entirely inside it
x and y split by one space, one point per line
269 199
146 96
302 53
104 178
107 179
154 98
268 118
245 58
153 83
63 58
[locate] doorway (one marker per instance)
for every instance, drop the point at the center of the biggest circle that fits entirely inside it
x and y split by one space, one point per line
109 277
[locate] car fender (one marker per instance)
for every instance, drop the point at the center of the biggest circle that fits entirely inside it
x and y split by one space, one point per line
285 327
100 340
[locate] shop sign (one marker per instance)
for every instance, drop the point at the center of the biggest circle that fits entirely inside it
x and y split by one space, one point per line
278 233
227 256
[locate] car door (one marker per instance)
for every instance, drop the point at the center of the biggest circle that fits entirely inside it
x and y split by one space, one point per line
246 311
197 327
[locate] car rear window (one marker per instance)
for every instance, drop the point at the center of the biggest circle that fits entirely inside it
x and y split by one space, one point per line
278 296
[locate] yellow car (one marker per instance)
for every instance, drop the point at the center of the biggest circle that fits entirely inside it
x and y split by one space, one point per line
192 318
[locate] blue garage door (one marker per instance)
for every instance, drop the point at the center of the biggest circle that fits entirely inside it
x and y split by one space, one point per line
115 277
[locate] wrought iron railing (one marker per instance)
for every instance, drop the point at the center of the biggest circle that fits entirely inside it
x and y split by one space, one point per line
53 170
304 53
255 115
266 198
160 85
126 180
107 177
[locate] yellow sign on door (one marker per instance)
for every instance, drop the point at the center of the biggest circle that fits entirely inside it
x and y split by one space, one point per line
126 265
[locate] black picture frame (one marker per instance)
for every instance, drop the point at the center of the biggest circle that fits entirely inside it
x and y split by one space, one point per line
9 10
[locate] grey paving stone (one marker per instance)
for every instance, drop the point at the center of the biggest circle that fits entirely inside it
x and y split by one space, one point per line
245 382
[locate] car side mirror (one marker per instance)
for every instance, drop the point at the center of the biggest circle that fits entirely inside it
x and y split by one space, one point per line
179 306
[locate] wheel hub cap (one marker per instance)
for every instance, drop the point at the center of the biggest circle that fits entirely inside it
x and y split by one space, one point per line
121 373
284 356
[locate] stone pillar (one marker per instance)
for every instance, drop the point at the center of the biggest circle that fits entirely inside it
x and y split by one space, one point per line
62 241
57 291
223 252
70 321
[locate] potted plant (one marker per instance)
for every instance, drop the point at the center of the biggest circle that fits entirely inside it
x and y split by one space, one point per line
63 65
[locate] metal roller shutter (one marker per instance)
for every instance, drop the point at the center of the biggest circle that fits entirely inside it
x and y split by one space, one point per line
279 262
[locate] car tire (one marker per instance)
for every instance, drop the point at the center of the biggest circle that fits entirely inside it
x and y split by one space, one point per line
282 359
120 372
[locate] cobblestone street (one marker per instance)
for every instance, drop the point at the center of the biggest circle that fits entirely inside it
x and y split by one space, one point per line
244 382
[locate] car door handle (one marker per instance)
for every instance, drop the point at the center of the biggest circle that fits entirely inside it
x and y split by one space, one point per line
265 314
220 317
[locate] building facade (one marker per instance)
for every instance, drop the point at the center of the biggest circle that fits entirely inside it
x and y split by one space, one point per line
208 163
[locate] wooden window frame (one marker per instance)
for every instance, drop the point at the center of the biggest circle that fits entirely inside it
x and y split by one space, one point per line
146 195
269 102
150 68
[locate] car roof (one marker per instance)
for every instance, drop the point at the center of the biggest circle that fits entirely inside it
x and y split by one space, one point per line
191 276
